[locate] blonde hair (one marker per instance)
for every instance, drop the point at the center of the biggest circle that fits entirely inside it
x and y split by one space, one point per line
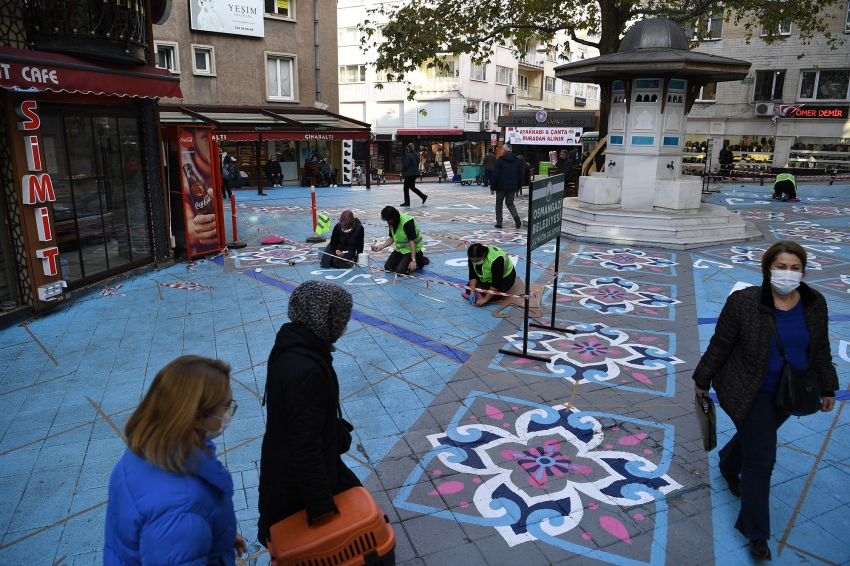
162 429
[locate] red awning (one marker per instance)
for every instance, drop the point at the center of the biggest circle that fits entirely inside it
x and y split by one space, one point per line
33 71
426 132
301 135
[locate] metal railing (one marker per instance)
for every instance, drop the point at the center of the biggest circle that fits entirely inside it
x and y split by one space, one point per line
109 30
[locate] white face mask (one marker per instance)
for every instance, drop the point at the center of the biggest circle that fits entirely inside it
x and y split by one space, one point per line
479 262
784 281
347 231
225 422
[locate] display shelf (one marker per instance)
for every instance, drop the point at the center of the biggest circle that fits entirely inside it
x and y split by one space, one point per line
801 160
819 152
752 152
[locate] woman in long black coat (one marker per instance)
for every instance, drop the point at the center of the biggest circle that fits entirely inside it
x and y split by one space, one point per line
301 465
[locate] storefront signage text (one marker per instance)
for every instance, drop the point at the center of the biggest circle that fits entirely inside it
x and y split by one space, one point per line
36 187
244 17
543 136
554 119
821 112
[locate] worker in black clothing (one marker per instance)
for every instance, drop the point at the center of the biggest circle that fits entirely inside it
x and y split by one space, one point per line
490 269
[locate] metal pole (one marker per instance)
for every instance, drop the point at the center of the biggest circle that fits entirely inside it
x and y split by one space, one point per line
557 276
527 278
235 244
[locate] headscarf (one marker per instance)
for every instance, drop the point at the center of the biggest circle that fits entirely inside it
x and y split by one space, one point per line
346 219
324 308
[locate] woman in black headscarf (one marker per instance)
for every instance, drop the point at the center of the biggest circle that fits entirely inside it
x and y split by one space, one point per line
300 465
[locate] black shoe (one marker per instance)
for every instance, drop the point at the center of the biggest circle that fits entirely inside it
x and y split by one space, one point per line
424 199
346 170
262 194
346 153
734 483
497 226
518 222
759 550
405 204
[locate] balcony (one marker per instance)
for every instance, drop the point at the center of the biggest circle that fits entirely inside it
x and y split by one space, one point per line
532 62
528 92
360 92
93 29
435 87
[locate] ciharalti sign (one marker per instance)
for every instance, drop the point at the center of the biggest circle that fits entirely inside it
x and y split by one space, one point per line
236 17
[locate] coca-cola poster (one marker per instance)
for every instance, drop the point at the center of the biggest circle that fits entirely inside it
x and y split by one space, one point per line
200 203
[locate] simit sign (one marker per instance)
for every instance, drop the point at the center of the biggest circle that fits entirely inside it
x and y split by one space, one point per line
37 189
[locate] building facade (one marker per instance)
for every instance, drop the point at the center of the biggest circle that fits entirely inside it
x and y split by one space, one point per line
82 196
810 95
262 74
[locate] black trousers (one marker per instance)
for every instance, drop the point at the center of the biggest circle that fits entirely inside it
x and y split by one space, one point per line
784 187
410 185
226 188
752 453
399 262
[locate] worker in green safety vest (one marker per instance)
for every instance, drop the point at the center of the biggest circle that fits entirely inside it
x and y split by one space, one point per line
491 269
405 235
785 187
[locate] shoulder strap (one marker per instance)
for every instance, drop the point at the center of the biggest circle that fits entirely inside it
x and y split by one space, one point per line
778 339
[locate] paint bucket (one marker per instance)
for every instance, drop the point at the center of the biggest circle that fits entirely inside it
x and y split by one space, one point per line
363 259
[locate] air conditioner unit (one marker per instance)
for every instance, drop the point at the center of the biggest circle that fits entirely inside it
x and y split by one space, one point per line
488 125
764 109
511 90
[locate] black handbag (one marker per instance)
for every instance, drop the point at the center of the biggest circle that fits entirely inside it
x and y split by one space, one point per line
798 393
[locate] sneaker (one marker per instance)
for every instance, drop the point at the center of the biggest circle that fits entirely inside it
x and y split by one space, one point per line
518 222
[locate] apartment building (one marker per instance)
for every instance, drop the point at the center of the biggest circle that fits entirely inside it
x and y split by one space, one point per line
263 73
809 94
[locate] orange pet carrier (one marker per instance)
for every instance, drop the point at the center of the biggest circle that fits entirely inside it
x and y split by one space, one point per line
361 535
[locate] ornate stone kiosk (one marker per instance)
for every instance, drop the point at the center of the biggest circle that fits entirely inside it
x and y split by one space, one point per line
649 87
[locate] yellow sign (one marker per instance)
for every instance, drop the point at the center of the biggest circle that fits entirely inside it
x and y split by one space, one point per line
283 4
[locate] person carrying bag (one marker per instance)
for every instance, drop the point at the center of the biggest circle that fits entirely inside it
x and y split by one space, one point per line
769 358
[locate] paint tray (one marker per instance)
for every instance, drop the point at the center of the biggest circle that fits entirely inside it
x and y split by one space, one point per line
360 535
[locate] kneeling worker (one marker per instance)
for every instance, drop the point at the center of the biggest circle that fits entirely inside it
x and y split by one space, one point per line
785 187
404 233
490 268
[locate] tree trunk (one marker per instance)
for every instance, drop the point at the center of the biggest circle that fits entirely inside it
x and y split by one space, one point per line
613 18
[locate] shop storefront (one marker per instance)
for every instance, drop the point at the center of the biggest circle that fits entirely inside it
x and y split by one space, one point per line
435 146
82 196
295 136
535 134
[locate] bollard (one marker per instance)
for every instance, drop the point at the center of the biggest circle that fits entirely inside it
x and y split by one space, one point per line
314 238
235 244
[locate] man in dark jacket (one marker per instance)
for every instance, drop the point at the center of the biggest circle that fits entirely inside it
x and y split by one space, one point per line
564 165
273 170
410 170
506 182
300 463
489 164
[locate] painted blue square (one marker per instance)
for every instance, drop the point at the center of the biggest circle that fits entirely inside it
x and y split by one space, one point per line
643 140
616 140
671 140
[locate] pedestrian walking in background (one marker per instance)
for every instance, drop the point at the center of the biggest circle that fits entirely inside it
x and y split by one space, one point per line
410 170
300 463
227 171
505 182
170 499
346 242
407 239
743 364
489 164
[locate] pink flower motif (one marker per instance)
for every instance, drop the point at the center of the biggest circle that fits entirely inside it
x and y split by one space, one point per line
543 463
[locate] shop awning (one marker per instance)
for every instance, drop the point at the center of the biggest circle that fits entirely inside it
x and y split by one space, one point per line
231 136
590 137
429 132
33 71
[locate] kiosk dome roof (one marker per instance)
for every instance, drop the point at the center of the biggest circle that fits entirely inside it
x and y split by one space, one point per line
654 33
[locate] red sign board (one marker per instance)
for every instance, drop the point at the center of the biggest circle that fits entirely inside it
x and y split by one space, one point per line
822 112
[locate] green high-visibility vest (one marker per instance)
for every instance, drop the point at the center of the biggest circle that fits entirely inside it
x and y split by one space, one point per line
323 223
485 271
786 177
402 243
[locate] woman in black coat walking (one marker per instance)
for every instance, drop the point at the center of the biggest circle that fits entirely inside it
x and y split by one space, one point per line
743 364
300 464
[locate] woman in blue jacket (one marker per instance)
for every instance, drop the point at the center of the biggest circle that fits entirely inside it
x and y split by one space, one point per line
170 499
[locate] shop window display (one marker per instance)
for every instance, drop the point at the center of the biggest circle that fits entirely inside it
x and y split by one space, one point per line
831 154
694 154
752 153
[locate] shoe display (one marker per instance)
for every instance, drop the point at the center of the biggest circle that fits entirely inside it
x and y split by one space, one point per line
346 153
734 483
346 170
759 550
518 222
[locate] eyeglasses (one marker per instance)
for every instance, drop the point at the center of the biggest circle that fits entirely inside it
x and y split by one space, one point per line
231 407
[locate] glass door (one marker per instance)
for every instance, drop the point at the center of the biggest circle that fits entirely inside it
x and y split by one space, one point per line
101 211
